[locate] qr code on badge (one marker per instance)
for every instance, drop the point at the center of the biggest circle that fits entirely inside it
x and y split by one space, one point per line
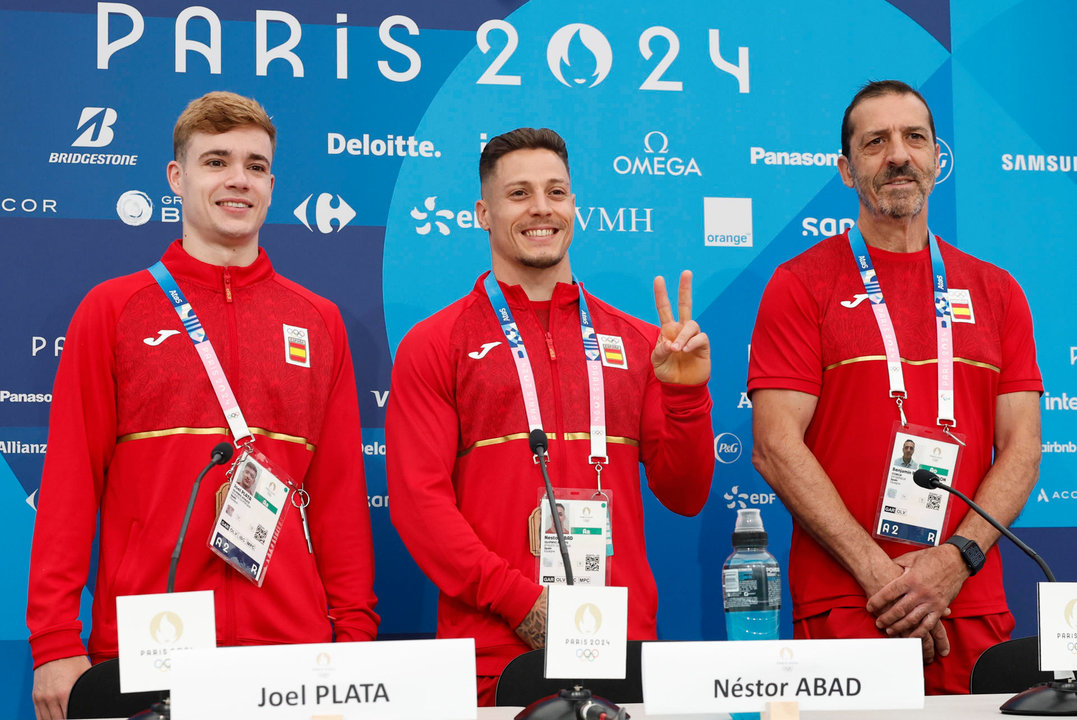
591 562
260 534
934 501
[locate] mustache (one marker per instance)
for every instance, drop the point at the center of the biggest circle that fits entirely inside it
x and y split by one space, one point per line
905 171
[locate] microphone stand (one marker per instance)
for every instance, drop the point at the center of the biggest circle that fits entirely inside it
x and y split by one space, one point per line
577 703
222 453
1055 698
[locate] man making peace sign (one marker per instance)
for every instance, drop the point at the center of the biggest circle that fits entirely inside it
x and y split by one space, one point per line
529 348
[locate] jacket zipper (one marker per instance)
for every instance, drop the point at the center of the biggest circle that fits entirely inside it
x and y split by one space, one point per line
555 381
232 374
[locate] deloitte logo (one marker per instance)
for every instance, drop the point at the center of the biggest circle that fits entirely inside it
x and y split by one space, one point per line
325 212
388 146
134 207
565 55
727 448
656 159
428 218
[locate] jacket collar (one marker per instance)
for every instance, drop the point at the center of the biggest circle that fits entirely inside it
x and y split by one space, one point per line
564 294
182 265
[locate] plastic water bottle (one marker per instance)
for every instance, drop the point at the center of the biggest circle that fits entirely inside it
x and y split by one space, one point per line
751 586
751 582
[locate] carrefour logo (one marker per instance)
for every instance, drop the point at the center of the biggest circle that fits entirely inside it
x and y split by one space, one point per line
325 212
727 448
582 53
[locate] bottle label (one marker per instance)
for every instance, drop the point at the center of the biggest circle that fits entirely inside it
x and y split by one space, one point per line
752 588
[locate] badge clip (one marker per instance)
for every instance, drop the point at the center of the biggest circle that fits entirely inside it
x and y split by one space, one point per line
598 461
946 429
300 500
899 399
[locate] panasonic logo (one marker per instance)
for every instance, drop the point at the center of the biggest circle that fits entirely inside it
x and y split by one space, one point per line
783 157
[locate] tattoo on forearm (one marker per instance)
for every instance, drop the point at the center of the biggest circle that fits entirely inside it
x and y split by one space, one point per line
533 629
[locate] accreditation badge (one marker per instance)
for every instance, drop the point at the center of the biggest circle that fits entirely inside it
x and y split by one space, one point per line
584 520
907 512
251 514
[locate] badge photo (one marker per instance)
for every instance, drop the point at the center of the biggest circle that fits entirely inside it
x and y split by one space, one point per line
908 512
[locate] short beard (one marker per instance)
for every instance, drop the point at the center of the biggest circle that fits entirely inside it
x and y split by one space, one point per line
541 262
900 207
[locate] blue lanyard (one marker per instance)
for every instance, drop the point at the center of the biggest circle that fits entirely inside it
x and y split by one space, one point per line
212 364
595 385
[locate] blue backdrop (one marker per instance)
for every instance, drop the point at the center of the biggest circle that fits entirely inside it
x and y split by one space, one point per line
703 134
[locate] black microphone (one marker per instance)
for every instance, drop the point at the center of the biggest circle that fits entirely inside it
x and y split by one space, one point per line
929 480
222 453
1051 698
538 442
578 703
597 709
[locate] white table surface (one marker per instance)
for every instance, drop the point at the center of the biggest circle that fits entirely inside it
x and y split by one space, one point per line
936 707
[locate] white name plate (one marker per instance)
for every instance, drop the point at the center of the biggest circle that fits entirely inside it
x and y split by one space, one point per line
708 677
586 628
1058 625
153 630
397 680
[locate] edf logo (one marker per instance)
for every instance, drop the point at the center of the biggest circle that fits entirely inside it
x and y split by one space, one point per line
96 125
727 448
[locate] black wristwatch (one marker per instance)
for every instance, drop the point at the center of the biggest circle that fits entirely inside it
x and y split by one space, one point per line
970 553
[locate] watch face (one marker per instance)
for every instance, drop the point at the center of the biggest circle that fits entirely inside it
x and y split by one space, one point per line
974 555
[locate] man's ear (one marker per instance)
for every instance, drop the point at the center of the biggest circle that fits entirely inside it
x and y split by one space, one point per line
482 214
846 170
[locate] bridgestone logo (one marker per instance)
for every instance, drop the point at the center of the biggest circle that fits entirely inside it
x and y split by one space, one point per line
92 159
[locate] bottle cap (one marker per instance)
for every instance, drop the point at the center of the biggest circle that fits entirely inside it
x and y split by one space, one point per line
749 532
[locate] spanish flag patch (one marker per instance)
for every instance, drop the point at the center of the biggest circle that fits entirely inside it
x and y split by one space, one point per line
612 350
296 346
